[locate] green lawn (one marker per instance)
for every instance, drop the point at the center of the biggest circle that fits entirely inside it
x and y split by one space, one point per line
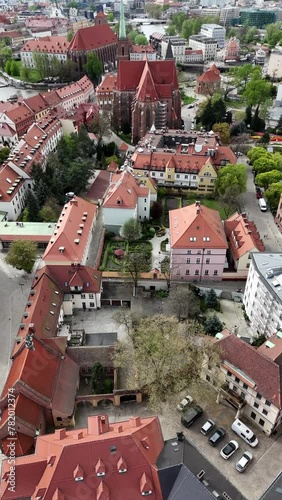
214 204
33 77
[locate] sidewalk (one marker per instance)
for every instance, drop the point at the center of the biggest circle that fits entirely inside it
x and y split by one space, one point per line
157 255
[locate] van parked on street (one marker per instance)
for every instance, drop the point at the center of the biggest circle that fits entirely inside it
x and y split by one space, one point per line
244 432
262 205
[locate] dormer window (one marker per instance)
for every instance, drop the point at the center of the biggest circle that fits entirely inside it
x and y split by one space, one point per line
100 468
122 466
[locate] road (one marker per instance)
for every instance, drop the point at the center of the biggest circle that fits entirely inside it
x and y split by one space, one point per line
14 290
264 221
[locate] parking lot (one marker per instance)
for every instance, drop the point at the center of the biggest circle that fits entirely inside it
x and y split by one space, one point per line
267 456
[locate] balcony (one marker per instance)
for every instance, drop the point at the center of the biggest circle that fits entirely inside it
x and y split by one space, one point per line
232 397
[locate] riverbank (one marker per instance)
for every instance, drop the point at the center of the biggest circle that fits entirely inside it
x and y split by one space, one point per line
21 84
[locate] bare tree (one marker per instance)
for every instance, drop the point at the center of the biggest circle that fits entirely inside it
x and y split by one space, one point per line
161 357
133 266
184 302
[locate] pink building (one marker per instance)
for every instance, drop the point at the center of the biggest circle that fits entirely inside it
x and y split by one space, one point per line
197 243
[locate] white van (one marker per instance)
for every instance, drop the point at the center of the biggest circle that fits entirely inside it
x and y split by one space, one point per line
244 432
262 205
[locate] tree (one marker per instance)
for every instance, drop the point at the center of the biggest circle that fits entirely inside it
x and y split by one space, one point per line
161 357
184 302
257 91
240 75
166 270
265 139
100 126
98 378
259 340
141 40
153 10
156 210
230 200
231 176
268 178
50 211
255 153
223 130
111 17
14 69
211 299
8 66
67 71
22 255
273 194
25 73
42 64
93 67
133 266
70 35
273 34
131 230
5 55
213 325
264 163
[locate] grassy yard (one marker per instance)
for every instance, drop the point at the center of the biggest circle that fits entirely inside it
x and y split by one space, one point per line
111 262
33 74
209 203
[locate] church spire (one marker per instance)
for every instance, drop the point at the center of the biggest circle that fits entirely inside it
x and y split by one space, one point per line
122 30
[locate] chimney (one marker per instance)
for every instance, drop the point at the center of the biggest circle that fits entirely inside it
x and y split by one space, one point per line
98 425
180 436
118 429
60 434
135 421
78 435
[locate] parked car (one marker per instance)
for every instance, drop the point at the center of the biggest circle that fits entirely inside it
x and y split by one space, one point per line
229 449
259 195
217 436
244 461
190 415
184 403
207 427
191 106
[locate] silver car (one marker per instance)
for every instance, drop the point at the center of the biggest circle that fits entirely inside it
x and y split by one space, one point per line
244 461
184 403
207 427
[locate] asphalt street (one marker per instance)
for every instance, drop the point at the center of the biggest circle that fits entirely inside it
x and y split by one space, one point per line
14 290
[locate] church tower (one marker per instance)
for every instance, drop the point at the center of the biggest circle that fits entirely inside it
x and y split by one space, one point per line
124 44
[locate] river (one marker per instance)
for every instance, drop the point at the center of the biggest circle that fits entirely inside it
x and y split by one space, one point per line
6 92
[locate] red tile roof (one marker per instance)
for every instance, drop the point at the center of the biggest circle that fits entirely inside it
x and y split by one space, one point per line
20 113
10 183
146 87
93 37
196 227
74 228
242 235
211 75
142 49
163 73
11 34
107 85
61 457
123 147
265 373
51 98
124 191
272 348
74 275
36 103
51 45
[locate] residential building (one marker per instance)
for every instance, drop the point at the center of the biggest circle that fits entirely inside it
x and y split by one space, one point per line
139 51
38 105
99 39
44 135
73 234
105 93
15 37
197 243
43 378
18 119
278 217
229 14
156 42
263 293
181 158
260 57
232 49
53 46
13 189
274 68
243 239
193 56
249 378
131 460
214 31
126 198
206 44
257 17
178 46
40 232
209 82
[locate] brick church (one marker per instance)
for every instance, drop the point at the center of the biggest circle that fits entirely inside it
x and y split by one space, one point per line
146 92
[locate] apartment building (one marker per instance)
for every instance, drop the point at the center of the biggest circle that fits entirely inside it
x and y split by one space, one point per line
249 378
178 46
208 46
214 31
263 294
53 46
198 243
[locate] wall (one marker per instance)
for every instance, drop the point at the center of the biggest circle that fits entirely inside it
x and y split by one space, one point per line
116 217
198 263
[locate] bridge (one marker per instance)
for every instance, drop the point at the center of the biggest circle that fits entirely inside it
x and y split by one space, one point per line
145 20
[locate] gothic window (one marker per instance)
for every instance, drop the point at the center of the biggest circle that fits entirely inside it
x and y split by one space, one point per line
148 118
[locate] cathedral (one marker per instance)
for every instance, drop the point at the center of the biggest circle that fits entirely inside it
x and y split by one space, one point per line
146 93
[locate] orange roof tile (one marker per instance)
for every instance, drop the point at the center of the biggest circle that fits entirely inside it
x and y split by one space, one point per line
196 227
242 235
69 242
124 191
92 38
211 75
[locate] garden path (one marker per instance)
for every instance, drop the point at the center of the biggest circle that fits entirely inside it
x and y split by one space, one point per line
157 254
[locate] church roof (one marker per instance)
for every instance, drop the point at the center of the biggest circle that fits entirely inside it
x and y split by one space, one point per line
163 74
146 89
169 53
92 38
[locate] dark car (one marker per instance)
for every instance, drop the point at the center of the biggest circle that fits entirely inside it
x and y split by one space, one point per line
191 415
217 436
259 195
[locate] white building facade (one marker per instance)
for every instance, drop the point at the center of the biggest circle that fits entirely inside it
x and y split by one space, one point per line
207 45
214 31
263 294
